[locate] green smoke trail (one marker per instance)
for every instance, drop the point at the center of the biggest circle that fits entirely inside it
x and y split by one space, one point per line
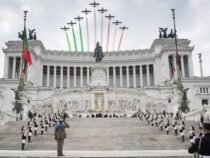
81 40
75 42
68 42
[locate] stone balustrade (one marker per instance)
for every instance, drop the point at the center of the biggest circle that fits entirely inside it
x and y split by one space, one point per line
5 117
195 115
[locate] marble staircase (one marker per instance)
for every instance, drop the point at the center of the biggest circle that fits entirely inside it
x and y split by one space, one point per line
97 137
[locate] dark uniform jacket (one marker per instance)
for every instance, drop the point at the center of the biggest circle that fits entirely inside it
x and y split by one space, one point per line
204 147
60 130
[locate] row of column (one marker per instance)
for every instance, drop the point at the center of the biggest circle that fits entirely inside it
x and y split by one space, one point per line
184 72
134 77
68 76
128 75
13 67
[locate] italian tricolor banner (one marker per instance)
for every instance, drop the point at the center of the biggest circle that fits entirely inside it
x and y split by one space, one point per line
26 52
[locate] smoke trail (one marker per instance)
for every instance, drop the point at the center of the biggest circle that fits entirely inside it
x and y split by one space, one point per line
107 42
95 29
81 40
120 41
102 30
68 41
75 42
115 32
87 29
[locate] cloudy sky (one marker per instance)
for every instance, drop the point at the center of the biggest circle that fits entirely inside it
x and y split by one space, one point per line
143 17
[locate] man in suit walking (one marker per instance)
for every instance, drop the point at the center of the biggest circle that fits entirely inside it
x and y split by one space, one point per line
60 135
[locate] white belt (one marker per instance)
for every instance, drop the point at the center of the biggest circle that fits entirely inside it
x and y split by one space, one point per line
205 156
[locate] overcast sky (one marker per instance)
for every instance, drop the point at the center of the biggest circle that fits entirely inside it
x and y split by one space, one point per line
143 17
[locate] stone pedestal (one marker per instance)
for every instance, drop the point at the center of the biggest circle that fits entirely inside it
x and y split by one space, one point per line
99 86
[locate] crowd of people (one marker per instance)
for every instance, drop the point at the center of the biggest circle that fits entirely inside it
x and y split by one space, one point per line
39 124
199 137
197 134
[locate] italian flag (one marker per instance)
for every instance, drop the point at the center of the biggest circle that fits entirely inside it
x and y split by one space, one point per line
26 53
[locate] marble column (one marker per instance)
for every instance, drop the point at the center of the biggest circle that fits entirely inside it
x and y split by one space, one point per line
61 76
88 75
6 67
81 76
114 76
121 79
13 67
42 75
127 74
148 76
20 68
175 72
48 75
108 74
75 76
190 65
141 76
182 66
54 75
134 76
68 77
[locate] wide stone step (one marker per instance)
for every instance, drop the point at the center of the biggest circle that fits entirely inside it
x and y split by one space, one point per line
97 134
98 154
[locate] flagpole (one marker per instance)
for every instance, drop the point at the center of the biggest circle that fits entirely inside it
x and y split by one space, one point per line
22 62
177 55
21 80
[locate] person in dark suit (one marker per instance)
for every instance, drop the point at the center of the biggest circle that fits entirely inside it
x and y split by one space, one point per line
202 144
60 135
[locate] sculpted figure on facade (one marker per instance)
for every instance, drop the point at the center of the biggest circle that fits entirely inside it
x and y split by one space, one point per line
98 54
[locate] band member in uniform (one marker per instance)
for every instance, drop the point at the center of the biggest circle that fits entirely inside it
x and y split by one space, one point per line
202 144
42 127
182 130
29 134
175 128
46 123
23 138
192 134
36 128
60 135
167 126
161 123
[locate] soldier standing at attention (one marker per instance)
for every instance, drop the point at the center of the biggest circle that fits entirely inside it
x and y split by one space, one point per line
23 138
60 135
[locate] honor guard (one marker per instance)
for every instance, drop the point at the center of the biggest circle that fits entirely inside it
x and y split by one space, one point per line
192 134
182 130
167 126
42 127
46 123
50 120
175 128
29 134
23 138
156 120
161 123
36 128
152 120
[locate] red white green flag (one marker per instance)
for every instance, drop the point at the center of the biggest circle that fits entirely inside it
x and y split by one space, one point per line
26 53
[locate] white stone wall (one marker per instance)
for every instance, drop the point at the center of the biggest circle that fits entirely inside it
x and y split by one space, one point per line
153 97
